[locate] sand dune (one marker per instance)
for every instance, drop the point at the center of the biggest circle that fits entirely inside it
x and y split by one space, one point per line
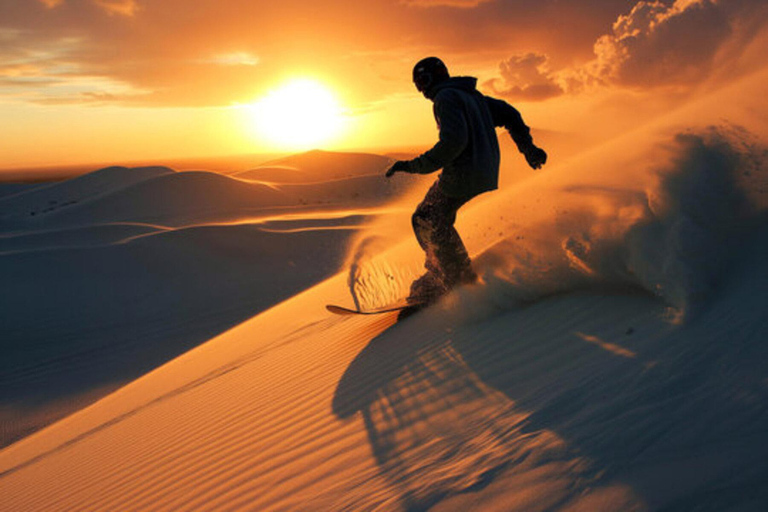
588 399
110 274
317 166
48 199
581 401
612 358
161 196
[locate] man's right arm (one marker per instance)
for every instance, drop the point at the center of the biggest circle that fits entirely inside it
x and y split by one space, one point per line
454 135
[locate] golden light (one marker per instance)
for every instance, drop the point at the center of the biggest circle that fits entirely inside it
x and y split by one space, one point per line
301 114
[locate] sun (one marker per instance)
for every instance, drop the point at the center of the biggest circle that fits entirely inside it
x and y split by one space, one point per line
300 114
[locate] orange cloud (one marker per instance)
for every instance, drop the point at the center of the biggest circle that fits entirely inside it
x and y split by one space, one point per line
526 77
655 45
118 7
51 3
659 44
20 70
112 7
160 49
462 4
234 59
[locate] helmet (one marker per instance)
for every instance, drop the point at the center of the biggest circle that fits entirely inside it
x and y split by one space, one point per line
429 72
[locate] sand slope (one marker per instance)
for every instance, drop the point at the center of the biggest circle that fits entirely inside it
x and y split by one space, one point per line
581 402
110 274
613 358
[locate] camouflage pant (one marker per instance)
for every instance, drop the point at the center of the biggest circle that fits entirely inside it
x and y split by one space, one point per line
433 225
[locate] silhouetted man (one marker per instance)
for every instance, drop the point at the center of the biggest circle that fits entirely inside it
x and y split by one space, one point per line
468 153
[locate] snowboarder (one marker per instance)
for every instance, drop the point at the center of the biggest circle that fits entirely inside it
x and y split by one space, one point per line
468 153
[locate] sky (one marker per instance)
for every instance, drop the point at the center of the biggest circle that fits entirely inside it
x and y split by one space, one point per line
102 80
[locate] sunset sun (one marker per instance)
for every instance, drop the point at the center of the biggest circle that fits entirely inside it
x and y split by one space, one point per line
300 114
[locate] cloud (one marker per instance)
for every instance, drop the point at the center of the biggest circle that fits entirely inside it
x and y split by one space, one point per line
23 59
461 4
160 47
118 7
43 73
659 44
21 70
111 7
233 59
681 44
526 77
83 98
76 90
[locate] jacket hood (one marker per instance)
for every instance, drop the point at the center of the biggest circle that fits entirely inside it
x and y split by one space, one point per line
466 83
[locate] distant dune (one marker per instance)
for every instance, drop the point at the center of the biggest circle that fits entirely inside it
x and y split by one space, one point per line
111 273
317 166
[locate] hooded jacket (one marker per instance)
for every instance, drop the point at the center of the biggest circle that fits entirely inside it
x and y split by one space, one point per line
468 149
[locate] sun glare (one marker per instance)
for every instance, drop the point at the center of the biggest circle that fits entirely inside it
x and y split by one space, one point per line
301 114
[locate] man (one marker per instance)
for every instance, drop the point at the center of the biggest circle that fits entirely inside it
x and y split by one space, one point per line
468 153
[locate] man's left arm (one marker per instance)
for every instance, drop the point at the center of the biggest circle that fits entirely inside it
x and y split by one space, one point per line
509 117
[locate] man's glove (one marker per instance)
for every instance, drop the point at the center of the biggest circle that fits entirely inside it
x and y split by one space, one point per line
399 166
535 156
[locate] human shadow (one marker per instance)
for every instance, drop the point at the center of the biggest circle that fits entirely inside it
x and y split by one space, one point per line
435 428
606 402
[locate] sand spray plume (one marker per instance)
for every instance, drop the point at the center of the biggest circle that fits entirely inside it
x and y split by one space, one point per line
384 258
666 221
373 280
659 211
380 271
700 208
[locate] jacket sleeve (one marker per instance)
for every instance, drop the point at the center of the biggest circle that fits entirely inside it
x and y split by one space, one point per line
454 134
506 115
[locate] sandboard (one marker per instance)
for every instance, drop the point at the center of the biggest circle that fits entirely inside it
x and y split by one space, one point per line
401 305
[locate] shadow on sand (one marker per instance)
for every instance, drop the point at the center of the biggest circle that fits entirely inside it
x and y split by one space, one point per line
612 408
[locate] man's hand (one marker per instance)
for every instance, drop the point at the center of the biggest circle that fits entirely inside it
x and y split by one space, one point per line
535 156
399 166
